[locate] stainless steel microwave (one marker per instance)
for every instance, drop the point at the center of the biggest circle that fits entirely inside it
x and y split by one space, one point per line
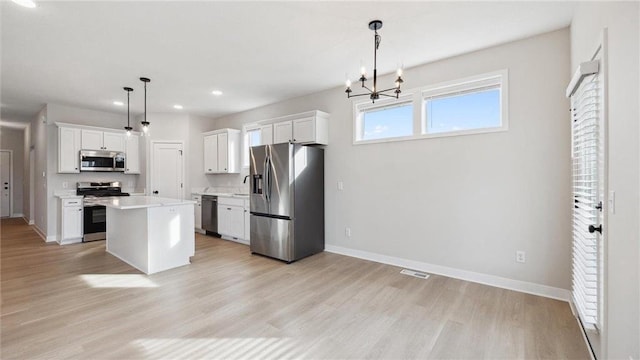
100 160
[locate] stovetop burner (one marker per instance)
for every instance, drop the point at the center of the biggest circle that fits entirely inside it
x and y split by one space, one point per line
100 189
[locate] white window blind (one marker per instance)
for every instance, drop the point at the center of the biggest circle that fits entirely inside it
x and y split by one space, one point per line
586 163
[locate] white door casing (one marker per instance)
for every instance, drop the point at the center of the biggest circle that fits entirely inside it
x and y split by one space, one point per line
6 173
167 169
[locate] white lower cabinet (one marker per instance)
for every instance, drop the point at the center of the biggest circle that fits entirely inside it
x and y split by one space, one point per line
247 221
71 216
231 218
197 208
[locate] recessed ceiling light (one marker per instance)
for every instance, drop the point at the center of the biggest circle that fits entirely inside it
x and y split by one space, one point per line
179 107
216 92
118 103
26 3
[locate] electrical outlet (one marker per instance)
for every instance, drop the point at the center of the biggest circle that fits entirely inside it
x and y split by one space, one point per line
347 232
340 185
520 256
65 184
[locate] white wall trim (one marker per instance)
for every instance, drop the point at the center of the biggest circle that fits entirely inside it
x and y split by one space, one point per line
491 280
29 222
17 215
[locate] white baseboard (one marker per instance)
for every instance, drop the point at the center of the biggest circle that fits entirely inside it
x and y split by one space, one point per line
29 222
491 280
17 215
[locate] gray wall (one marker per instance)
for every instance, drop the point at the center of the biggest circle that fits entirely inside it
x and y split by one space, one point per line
13 139
39 142
622 272
464 202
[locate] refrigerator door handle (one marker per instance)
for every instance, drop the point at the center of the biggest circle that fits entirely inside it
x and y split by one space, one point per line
266 179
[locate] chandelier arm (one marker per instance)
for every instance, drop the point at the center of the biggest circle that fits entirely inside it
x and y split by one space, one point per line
350 96
367 88
389 89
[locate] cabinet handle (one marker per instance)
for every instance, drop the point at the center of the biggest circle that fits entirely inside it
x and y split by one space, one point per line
228 208
209 169
79 209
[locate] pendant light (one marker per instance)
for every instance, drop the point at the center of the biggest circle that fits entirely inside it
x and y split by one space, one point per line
145 123
128 127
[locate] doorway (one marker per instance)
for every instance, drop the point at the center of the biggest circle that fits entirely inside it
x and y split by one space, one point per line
6 181
587 93
167 169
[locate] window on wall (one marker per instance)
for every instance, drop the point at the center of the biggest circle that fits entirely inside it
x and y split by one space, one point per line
464 107
468 106
386 121
251 138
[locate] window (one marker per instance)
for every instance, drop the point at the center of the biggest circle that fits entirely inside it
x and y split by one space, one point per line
465 107
385 121
475 110
251 138
468 106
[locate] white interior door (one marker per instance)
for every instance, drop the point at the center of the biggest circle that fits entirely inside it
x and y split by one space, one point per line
166 170
5 181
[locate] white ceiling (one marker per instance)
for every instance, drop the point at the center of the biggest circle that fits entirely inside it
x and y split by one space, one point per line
82 53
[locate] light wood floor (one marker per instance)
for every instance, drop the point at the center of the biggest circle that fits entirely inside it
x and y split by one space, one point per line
57 303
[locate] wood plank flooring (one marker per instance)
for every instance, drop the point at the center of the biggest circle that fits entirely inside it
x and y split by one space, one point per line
77 301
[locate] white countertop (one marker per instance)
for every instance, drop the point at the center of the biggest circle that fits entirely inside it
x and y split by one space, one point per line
239 196
138 202
69 196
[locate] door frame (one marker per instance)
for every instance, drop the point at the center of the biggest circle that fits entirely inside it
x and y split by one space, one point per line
149 166
10 180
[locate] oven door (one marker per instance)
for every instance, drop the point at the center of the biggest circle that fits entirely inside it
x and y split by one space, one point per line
95 223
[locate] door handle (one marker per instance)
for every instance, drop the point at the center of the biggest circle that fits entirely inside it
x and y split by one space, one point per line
593 229
155 192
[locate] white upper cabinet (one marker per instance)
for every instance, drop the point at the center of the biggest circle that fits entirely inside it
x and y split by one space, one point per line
306 128
102 140
132 157
210 148
282 132
222 151
114 141
68 150
266 134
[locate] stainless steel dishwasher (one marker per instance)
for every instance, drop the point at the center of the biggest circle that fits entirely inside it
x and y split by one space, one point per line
210 214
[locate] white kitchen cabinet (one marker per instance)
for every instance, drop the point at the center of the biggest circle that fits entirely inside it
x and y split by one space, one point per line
102 140
266 134
68 150
247 221
282 132
306 128
222 151
211 148
132 151
71 216
231 218
197 212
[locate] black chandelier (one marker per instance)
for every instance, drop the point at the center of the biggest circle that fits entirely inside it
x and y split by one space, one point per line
373 93
128 128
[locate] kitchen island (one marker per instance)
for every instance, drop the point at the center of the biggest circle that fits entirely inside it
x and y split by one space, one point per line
152 234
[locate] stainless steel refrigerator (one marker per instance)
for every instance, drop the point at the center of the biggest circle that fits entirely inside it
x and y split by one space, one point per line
287 201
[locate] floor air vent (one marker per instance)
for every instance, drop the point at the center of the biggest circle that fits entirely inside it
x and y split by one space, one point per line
414 273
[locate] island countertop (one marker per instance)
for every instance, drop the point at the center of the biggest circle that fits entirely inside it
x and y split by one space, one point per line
138 202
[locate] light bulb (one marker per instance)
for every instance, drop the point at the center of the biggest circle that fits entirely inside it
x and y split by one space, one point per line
348 83
128 132
363 71
399 71
145 129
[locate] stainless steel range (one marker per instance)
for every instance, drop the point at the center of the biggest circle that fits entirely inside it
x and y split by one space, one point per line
95 215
